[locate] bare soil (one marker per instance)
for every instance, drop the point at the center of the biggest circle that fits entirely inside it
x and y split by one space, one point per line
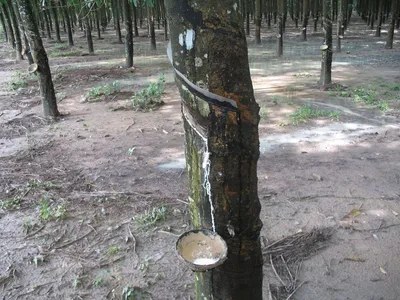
103 163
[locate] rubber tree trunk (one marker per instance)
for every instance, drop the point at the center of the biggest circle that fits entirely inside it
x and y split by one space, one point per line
135 20
47 24
128 34
27 50
279 36
56 22
392 24
11 35
97 17
40 58
115 6
222 144
257 16
153 45
17 33
306 13
380 15
339 28
326 62
88 29
316 14
67 22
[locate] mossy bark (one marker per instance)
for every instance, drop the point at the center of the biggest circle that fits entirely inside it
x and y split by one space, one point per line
222 145
40 58
326 61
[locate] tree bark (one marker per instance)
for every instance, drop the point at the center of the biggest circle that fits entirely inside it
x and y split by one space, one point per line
326 62
135 19
392 23
222 145
380 15
116 10
40 58
128 35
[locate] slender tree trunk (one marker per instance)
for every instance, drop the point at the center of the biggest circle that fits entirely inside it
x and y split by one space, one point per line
306 13
56 22
316 15
88 30
115 6
46 23
339 31
222 143
135 26
392 23
27 50
152 28
296 17
281 6
97 17
380 15
40 57
68 22
128 34
257 16
326 62
14 22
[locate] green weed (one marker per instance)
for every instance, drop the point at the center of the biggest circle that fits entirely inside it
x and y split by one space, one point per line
114 250
11 203
65 53
134 293
149 97
47 212
109 89
306 112
369 97
151 217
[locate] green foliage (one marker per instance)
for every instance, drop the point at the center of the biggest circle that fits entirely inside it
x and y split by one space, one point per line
47 213
109 89
369 97
11 203
114 250
150 97
17 81
151 217
306 112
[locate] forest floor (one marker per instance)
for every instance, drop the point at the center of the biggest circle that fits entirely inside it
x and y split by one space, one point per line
91 205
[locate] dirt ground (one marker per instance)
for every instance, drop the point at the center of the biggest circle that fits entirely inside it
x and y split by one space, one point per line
74 193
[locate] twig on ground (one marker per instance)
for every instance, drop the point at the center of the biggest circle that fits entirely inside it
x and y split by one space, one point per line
127 128
295 290
35 232
74 241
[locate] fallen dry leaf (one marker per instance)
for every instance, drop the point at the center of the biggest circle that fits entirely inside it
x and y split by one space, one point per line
353 213
355 258
383 270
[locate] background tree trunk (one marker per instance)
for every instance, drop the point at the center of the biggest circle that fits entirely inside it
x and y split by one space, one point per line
222 146
339 28
40 58
128 35
56 22
281 7
326 62
258 16
392 23
306 13
15 28
3 24
67 22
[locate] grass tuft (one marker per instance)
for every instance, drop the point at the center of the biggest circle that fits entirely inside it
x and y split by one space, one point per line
306 112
